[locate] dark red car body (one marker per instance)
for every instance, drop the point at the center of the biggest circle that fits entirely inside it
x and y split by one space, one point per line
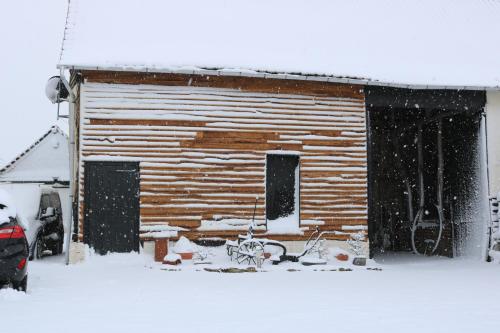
14 253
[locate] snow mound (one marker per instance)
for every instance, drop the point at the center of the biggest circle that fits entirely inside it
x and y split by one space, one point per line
335 251
287 225
230 224
172 257
160 231
310 260
495 256
9 294
183 245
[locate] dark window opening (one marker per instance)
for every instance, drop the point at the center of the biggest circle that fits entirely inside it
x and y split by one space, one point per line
282 184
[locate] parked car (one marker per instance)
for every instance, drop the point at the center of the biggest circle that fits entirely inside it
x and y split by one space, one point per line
14 249
48 229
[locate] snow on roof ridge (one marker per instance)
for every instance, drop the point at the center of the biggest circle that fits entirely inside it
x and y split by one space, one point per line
277 75
53 129
418 43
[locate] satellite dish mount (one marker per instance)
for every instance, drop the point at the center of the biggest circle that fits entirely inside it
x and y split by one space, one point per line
57 90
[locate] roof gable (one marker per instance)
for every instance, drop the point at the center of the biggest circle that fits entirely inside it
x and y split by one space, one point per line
421 42
43 161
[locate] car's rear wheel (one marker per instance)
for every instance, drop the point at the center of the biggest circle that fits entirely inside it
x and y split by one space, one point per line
38 248
56 248
60 245
22 285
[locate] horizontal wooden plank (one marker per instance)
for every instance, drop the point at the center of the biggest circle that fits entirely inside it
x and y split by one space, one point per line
274 86
202 151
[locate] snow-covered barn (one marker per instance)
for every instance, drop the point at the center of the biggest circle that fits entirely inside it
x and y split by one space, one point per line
44 166
196 117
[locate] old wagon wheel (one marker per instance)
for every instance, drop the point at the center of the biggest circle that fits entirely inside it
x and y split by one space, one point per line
250 251
418 221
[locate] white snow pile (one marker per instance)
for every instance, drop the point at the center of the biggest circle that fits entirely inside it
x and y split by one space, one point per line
11 295
281 226
495 256
335 251
172 257
312 260
7 207
160 231
285 226
438 295
183 245
312 222
230 224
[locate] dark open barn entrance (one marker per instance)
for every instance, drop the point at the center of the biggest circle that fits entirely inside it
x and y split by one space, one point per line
426 173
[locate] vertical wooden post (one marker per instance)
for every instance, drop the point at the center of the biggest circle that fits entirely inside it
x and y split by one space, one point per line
161 249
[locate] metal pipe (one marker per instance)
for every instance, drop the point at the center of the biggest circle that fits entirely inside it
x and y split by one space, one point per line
409 199
439 193
483 137
71 119
420 164
440 164
418 216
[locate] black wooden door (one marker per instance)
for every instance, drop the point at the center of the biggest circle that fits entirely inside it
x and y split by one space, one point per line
111 206
281 185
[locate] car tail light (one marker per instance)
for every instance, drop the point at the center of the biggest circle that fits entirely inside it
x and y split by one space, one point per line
21 264
11 232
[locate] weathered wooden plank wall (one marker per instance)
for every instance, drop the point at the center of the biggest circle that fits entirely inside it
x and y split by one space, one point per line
202 145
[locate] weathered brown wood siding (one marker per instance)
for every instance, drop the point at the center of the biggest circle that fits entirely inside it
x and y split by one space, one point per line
202 145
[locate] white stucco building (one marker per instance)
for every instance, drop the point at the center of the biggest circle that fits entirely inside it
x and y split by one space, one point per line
43 166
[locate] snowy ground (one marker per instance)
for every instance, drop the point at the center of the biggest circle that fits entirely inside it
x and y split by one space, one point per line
129 293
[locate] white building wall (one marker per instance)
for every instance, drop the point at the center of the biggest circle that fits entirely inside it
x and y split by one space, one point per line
26 198
493 137
46 161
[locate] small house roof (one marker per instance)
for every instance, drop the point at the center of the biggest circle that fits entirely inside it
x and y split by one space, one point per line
45 160
447 43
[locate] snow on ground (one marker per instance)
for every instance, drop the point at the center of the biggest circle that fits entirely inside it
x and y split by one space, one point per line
129 293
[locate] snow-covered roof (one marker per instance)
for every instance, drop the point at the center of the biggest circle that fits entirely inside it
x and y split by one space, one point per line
44 161
448 43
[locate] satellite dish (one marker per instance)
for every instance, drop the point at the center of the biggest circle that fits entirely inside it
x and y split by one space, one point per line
55 90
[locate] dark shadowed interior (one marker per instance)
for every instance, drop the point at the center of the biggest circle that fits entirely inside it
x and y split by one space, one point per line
280 185
425 170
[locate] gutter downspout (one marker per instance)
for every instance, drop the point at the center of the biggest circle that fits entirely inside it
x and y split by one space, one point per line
71 120
485 157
